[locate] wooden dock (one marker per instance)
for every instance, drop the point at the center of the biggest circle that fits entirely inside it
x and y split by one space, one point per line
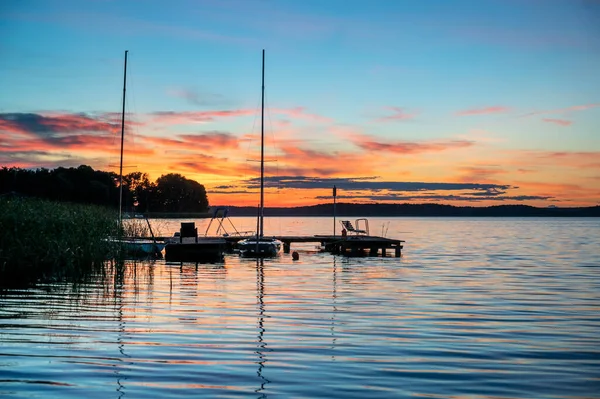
361 245
351 245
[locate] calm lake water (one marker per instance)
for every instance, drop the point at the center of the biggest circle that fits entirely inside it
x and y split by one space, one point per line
475 308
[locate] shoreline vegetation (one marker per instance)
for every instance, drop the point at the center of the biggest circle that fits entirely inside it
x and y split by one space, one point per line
57 224
392 210
169 193
44 240
174 196
414 210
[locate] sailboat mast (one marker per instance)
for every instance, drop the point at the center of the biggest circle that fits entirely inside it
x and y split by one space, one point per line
262 148
122 141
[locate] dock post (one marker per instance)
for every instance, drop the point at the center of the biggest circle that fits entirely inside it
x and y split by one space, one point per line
334 195
398 251
286 247
383 252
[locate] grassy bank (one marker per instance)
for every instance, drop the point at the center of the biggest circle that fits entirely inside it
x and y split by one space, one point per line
41 239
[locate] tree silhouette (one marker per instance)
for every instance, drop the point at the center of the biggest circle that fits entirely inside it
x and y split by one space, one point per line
175 193
170 193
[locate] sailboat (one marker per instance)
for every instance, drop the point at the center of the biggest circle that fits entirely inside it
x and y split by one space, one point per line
259 245
128 245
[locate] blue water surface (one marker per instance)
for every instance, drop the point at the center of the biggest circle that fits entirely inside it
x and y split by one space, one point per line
475 308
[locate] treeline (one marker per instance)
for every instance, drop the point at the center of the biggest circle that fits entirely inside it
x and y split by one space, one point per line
365 210
169 193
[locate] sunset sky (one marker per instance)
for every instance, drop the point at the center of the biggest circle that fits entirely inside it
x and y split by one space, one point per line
479 102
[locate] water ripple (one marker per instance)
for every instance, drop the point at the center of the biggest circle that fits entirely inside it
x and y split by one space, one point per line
484 308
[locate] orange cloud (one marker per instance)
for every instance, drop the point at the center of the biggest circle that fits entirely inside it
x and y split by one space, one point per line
575 194
483 111
575 159
300 161
58 139
480 173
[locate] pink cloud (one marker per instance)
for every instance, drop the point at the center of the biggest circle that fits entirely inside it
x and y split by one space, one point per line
566 110
172 117
540 160
561 122
405 147
306 161
300 113
211 140
483 111
47 124
398 115
371 143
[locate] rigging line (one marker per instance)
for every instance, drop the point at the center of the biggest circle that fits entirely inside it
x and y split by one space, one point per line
132 115
251 141
272 131
113 158
274 140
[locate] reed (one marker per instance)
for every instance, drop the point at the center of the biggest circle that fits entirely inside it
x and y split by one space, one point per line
42 240
135 228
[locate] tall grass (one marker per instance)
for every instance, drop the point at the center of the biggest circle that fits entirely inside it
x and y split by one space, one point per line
41 240
135 228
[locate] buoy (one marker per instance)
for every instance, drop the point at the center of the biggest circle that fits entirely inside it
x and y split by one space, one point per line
295 255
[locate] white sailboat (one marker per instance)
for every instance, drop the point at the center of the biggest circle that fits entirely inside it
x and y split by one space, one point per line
129 245
259 245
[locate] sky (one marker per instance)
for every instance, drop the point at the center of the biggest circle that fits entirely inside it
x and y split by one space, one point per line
459 102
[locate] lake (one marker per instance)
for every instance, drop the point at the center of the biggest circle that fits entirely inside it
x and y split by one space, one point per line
475 308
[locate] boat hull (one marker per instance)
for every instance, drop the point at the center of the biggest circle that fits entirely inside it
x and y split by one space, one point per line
137 248
204 250
264 248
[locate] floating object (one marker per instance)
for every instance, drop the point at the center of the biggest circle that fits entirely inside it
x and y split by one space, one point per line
185 246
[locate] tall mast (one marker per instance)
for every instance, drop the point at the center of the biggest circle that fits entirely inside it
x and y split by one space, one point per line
262 148
122 141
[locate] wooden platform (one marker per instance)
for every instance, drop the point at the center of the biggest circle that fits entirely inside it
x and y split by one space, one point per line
352 245
362 245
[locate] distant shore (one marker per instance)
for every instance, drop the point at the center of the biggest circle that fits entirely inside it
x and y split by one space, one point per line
399 210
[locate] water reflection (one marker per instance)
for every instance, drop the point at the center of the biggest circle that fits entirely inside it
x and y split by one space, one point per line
334 306
436 323
262 348
118 296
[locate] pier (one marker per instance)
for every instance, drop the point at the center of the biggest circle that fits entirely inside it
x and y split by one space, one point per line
355 245
187 245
